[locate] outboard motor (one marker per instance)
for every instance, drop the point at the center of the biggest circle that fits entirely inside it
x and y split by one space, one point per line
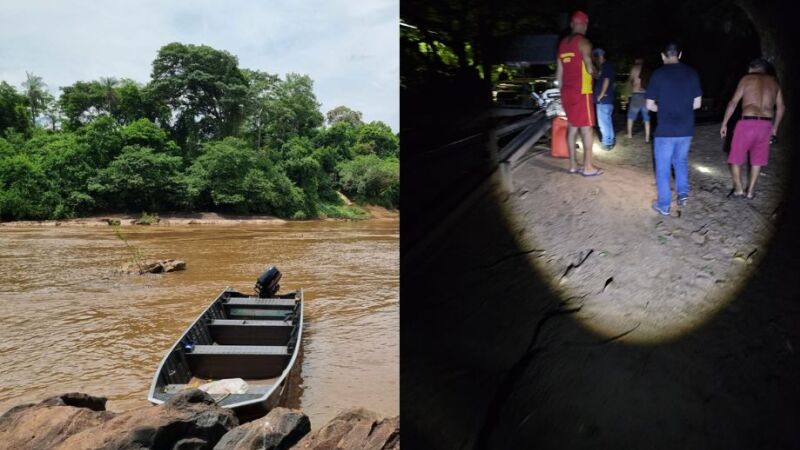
267 283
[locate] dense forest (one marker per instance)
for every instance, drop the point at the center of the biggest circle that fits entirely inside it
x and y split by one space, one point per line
202 135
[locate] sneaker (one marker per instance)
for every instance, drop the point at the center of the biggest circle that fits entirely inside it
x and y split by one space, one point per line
682 199
660 211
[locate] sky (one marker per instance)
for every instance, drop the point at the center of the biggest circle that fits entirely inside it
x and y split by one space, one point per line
349 48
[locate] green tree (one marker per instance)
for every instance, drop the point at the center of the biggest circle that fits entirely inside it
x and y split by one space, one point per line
13 111
344 114
229 174
25 189
204 89
140 178
103 138
295 111
370 179
341 138
110 96
36 92
260 100
81 102
145 133
377 138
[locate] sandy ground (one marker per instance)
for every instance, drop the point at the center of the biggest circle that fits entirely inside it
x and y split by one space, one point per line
663 337
686 263
172 219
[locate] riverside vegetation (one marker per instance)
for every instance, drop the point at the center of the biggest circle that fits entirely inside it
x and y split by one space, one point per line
202 134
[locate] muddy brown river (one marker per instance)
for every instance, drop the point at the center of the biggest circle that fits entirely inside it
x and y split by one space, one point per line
68 322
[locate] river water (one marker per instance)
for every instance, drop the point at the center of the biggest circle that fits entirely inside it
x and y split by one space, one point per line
69 323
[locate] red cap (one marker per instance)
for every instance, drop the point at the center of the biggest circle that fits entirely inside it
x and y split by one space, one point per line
580 17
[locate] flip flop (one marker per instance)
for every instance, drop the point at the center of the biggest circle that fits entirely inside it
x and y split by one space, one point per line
749 197
593 174
736 195
578 170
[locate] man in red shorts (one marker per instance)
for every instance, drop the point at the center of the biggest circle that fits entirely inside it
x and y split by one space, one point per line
760 95
574 76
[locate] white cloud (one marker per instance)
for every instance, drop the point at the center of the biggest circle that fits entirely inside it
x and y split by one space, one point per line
348 47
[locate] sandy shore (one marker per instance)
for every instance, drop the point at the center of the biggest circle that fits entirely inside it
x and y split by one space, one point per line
179 219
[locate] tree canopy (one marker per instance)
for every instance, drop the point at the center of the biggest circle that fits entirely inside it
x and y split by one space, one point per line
201 134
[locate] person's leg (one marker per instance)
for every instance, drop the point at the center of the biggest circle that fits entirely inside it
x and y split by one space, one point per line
663 156
586 134
646 120
572 138
737 155
631 117
680 162
754 171
759 153
736 174
612 136
604 122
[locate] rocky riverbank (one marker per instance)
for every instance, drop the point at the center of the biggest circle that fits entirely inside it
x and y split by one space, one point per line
172 219
190 420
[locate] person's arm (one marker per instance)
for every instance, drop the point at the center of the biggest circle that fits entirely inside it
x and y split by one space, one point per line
603 89
781 108
559 72
698 93
652 94
737 96
586 52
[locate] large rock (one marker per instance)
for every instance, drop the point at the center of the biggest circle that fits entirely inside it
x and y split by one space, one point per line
159 266
190 420
51 422
278 430
355 428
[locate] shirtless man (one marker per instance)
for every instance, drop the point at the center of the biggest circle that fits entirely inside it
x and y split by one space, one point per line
636 102
574 74
760 95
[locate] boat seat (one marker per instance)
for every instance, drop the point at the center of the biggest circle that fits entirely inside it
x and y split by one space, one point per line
244 331
250 323
239 350
258 389
274 303
238 361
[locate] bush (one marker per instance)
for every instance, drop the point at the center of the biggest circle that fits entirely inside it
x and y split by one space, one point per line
140 178
370 179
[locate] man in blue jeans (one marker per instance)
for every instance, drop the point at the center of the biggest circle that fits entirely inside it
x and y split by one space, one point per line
604 98
673 93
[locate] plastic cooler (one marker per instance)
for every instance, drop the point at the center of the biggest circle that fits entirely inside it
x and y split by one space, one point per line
558 143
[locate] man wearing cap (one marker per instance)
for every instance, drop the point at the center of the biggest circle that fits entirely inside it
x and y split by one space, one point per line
760 94
574 76
673 93
604 98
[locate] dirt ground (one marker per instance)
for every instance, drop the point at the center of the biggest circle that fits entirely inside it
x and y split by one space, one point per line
671 332
657 276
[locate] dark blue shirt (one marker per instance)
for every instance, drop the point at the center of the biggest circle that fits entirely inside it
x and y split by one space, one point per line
674 88
607 71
